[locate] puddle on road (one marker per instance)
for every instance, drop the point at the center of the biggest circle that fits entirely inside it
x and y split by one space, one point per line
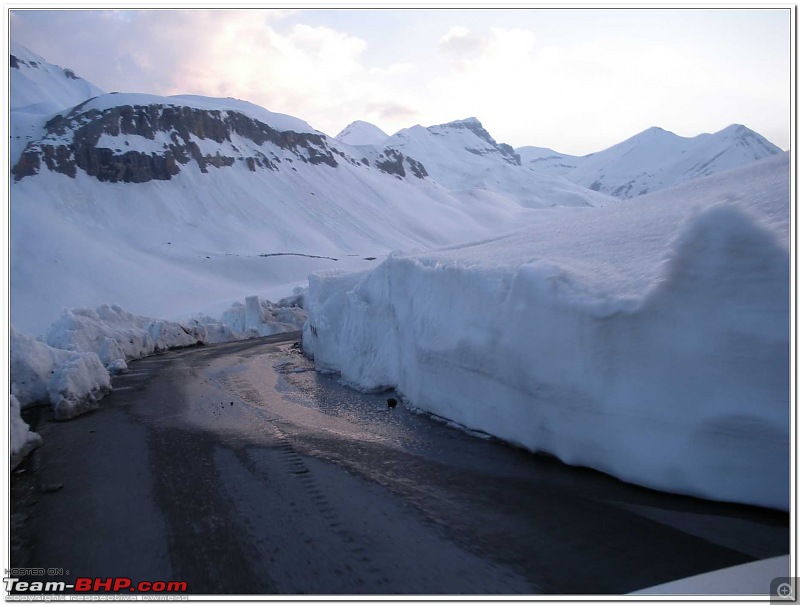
368 414
273 385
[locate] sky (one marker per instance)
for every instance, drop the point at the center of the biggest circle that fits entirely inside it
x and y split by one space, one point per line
575 80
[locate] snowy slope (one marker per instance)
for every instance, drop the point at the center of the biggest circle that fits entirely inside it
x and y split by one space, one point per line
170 206
362 133
40 87
547 161
174 205
649 340
464 157
654 159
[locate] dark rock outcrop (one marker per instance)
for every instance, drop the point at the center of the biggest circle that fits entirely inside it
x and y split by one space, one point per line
505 150
393 162
71 142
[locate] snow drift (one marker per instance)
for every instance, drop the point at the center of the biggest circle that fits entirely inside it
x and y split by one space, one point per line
72 381
648 340
116 335
71 368
22 440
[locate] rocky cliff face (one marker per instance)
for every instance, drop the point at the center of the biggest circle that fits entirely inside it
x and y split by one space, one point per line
506 151
393 162
141 143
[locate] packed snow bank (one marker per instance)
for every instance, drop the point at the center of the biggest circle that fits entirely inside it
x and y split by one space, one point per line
71 381
72 370
252 319
22 439
115 334
648 340
118 336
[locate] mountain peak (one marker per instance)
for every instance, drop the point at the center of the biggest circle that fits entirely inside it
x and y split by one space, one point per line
465 121
655 131
739 130
361 133
747 138
472 124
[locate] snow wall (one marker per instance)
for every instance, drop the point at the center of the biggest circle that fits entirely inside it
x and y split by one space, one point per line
71 367
684 388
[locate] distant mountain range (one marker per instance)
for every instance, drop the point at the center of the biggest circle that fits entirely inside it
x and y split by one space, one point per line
168 205
652 160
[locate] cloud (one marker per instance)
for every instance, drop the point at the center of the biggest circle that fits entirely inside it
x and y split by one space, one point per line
312 72
578 91
395 69
460 40
390 111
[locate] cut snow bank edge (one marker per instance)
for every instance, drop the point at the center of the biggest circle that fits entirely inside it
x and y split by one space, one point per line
72 381
22 439
684 390
84 347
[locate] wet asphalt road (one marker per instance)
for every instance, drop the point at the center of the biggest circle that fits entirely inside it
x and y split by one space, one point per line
238 469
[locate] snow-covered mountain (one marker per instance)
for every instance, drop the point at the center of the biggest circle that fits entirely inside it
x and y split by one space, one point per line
362 133
135 138
167 205
465 158
654 159
547 161
172 205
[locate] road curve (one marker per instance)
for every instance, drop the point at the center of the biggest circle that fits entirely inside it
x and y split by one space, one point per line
238 469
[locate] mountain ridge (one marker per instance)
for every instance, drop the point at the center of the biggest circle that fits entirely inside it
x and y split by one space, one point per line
163 204
653 159
172 204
